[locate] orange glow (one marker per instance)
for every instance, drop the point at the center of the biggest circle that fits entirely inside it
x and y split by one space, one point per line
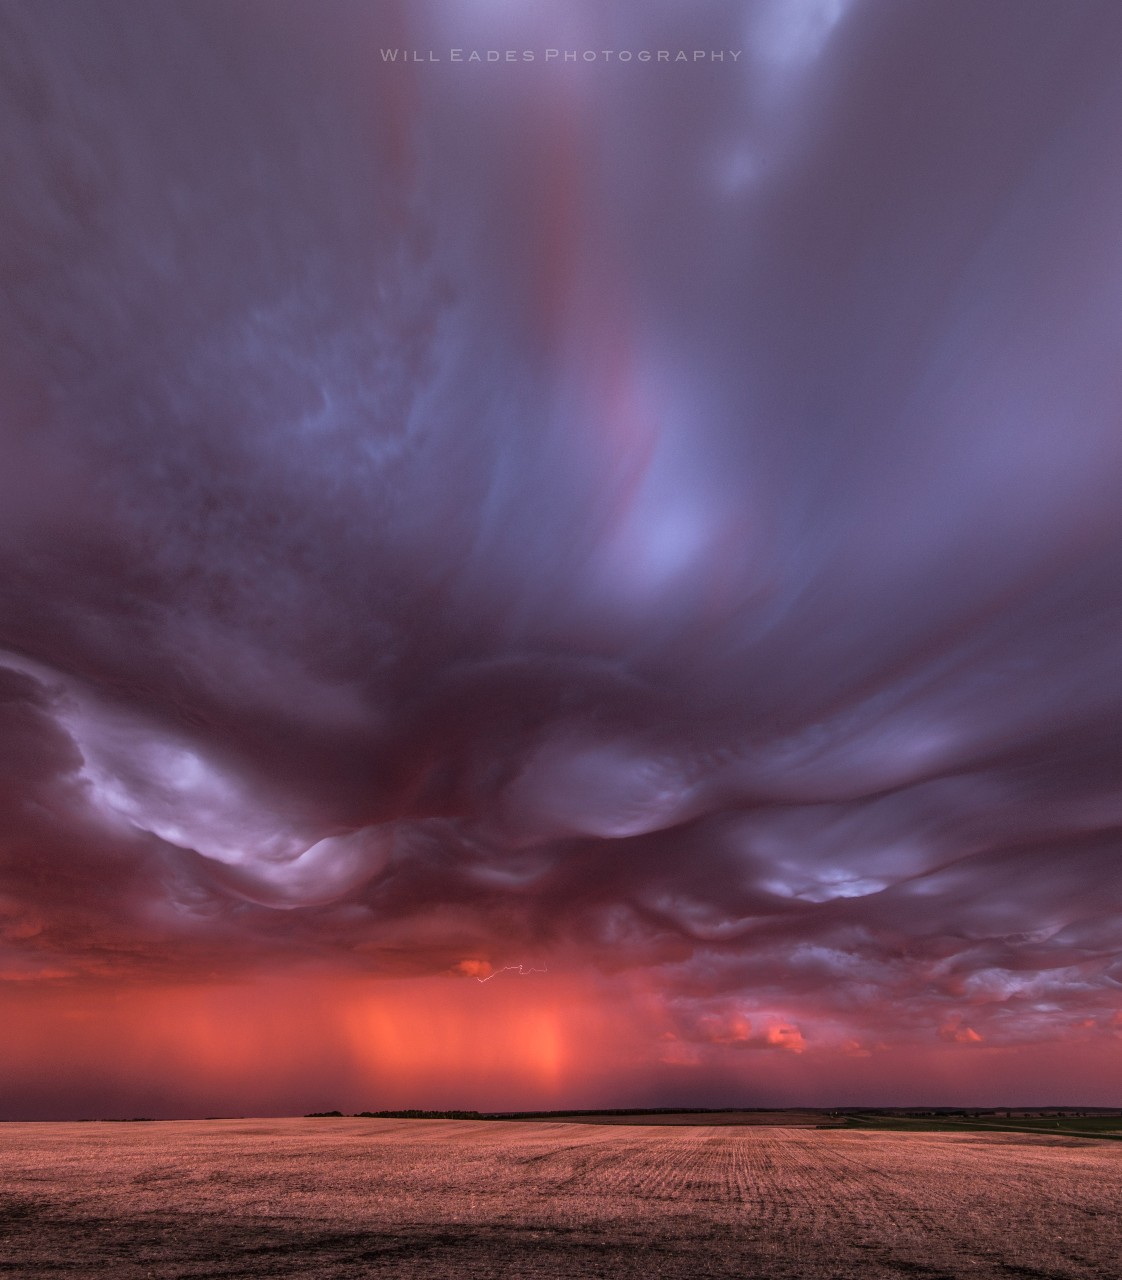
543 1041
955 1030
308 1042
442 1035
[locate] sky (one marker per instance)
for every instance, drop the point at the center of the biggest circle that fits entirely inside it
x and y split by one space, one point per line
575 577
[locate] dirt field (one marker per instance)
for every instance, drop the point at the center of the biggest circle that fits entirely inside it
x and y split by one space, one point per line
357 1198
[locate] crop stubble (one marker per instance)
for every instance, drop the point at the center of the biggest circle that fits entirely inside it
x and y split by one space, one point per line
350 1198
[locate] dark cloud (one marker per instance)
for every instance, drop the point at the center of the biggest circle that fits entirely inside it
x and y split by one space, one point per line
649 515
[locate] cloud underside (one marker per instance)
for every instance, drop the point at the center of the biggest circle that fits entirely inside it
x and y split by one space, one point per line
657 519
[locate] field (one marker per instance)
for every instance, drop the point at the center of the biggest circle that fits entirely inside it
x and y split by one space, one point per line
410 1198
1066 1124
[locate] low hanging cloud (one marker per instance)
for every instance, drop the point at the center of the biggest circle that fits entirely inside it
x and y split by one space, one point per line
651 516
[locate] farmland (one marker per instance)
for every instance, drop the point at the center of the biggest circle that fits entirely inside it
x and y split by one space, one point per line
350 1197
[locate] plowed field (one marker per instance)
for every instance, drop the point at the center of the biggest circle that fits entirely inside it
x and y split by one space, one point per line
358 1198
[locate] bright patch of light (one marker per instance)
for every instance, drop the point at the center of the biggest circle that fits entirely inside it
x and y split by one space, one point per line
793 32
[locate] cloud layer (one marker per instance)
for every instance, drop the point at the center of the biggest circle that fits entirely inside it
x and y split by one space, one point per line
656 518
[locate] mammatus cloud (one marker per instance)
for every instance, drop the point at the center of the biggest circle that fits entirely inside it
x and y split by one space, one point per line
647 517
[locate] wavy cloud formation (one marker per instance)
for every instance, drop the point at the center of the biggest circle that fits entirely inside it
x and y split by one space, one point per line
650 516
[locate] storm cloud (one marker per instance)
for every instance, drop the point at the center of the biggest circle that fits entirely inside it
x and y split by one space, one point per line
656 517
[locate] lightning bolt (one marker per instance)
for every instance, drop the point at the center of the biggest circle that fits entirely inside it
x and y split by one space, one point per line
521 969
